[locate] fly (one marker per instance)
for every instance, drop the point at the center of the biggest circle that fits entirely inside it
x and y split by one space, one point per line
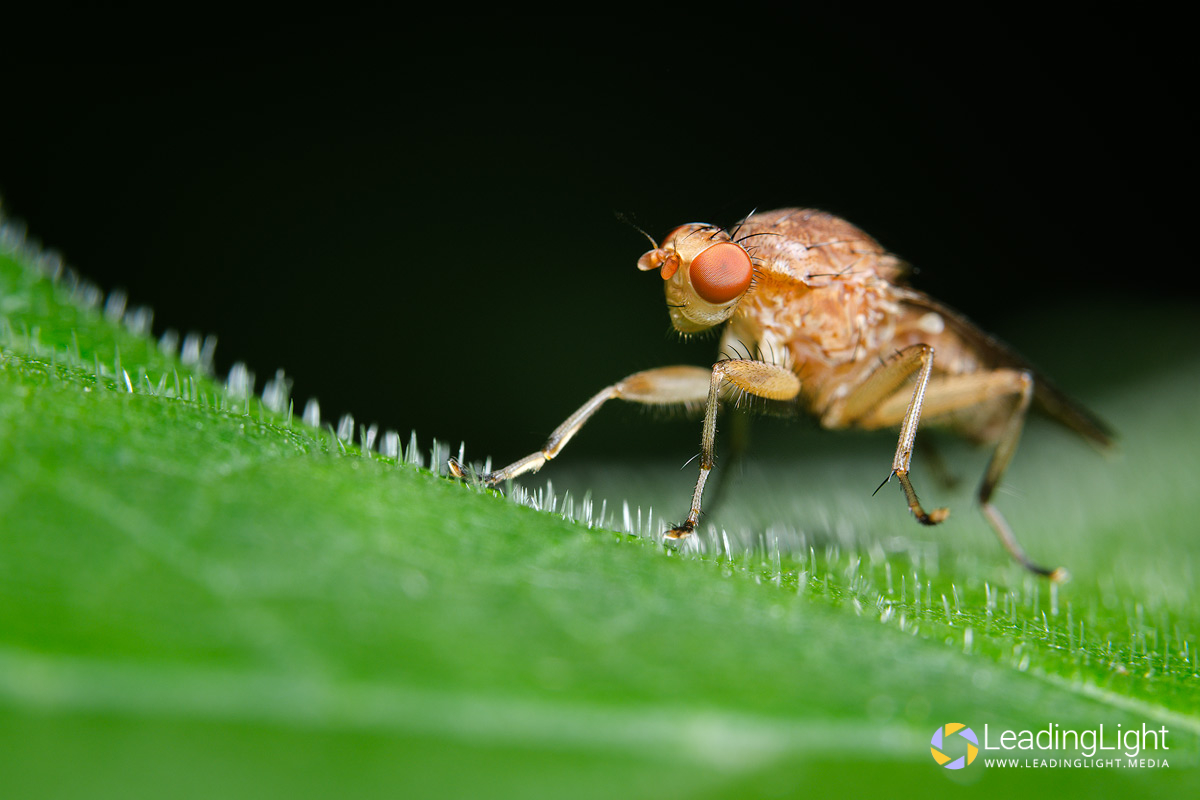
821 321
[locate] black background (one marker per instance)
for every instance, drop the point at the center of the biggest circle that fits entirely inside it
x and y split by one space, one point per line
417 218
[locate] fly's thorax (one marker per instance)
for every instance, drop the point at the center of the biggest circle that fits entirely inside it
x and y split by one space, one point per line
705 275
852 318
815 248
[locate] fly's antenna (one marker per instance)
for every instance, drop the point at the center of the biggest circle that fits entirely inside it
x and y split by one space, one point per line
624 218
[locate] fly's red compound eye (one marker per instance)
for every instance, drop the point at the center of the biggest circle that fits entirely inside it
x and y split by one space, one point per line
721 273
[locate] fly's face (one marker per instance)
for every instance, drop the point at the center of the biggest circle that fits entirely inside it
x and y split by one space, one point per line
705 275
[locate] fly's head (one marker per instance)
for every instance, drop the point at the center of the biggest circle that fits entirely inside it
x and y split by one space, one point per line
705 274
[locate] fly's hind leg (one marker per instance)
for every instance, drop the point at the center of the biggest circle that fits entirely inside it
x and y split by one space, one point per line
1023 386
957 392
759 378
682 385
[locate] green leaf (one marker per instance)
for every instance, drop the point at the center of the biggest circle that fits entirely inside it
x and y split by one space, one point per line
201 595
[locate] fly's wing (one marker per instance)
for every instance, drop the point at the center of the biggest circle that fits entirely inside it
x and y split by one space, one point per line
1048 398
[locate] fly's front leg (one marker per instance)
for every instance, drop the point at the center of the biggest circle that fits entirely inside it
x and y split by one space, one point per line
756 377
680 385
865 402
738 439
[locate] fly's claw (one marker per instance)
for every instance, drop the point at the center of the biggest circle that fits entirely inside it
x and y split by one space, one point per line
1059 575
933 517
681 532
914 505
464 472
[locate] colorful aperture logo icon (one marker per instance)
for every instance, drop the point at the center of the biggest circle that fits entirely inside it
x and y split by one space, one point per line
945 732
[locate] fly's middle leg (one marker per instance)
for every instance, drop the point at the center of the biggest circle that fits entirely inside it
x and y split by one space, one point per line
873 404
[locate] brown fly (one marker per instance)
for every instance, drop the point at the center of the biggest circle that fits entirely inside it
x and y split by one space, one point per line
828 326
